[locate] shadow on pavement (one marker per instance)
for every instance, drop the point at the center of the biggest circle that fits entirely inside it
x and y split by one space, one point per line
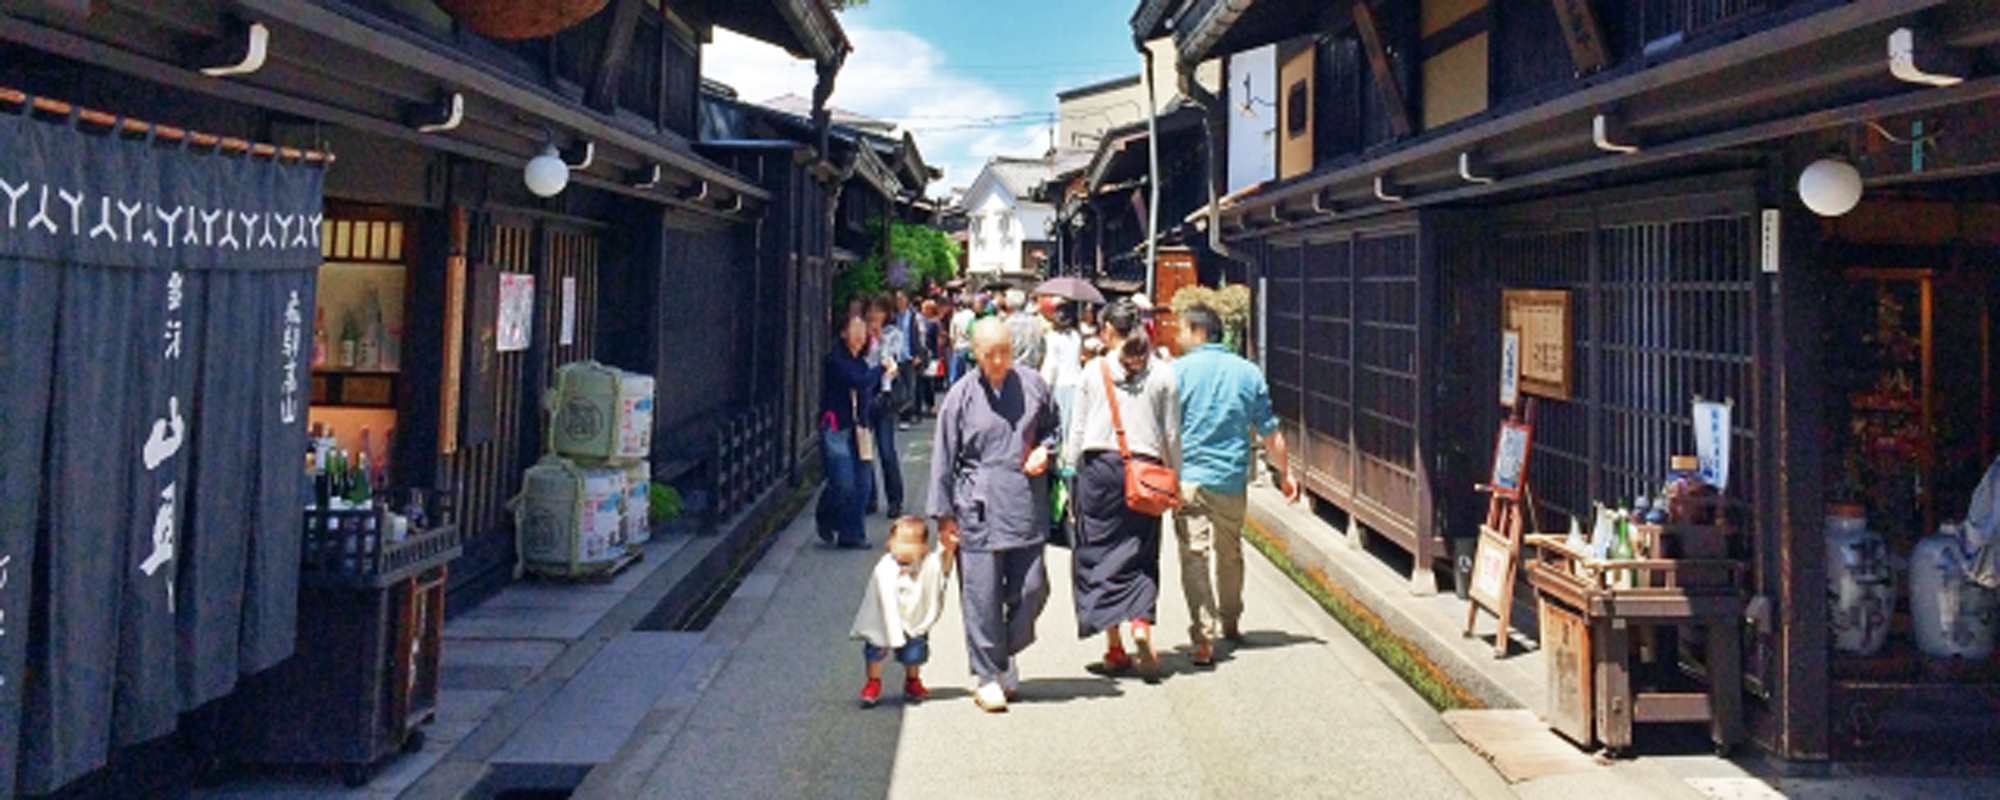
1062 690
1271 640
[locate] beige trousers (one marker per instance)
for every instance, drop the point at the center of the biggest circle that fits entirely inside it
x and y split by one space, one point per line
1209 527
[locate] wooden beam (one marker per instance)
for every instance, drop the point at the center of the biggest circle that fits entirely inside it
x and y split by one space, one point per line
1583 34
141 67
603 93
1351 180
1971 91
1386 81
448 67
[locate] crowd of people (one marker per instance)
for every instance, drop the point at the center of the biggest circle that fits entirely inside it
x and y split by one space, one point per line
1057 422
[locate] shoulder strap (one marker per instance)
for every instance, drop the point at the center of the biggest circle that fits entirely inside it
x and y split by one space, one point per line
1111 397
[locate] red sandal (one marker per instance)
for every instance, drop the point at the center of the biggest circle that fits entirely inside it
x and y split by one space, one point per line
1116 662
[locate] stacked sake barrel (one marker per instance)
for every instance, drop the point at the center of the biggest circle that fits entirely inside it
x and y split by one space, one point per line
582 510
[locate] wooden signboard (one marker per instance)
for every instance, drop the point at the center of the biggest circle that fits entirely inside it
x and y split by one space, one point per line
1571 684
1547 341
478 409
1497 561
1493 568
1176 270
454 335
1510 458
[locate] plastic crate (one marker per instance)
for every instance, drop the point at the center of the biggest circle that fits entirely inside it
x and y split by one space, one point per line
348 548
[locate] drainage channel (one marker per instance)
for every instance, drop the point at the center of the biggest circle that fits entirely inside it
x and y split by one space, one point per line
693 611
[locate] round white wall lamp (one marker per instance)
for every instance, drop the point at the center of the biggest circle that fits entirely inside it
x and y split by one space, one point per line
1830 187
546 174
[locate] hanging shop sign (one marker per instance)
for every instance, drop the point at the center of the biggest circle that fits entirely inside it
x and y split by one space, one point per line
1711 440
567 336
517 310
1547 350
141 440
1510 368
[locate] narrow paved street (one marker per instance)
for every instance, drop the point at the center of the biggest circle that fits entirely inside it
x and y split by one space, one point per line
1301 711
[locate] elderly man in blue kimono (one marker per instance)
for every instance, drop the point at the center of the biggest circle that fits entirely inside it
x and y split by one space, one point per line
989 492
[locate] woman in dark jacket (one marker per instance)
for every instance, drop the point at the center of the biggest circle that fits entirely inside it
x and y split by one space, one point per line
845 393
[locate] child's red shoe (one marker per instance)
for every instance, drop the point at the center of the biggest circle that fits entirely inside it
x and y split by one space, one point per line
914 691
871 692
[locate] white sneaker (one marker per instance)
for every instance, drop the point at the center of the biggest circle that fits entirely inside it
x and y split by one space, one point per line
990 697
1010 681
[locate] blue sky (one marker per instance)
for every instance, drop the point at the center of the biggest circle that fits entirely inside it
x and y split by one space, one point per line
970 79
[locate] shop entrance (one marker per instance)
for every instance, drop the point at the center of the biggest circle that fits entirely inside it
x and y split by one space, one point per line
501 417
1910 429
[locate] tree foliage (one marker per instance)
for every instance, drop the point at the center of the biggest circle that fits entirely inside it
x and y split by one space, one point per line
918 255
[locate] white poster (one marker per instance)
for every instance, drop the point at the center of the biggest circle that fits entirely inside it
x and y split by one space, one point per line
1711 441
1510 368
568 336
517 310
1252 96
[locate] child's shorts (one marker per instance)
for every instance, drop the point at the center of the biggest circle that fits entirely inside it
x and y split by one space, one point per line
913 653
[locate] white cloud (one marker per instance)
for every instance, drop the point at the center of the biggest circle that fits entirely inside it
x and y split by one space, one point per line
893 75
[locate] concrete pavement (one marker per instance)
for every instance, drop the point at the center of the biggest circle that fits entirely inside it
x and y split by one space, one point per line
1302 710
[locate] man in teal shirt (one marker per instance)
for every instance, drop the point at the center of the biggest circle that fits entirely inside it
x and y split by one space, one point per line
1224 405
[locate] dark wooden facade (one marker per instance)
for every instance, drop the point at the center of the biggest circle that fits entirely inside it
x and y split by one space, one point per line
1639 168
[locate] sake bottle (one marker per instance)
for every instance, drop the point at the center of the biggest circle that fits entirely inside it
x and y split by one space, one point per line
1621 548
350 341
319 339
370 349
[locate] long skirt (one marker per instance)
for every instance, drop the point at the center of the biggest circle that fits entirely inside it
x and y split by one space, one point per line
1117 552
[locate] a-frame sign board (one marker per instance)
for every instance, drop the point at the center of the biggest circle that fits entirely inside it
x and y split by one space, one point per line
1497 561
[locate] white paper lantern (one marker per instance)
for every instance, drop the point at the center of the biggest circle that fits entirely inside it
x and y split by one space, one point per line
1830 187
547 174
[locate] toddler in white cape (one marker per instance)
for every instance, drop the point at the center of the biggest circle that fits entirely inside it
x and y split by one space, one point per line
903 599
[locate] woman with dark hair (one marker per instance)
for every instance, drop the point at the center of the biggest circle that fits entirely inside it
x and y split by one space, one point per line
846 398
1126 407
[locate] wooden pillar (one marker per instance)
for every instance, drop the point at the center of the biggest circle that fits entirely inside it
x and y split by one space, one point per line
1797 540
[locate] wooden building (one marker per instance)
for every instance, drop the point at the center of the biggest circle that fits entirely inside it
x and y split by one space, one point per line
829 209
654 255
1435 154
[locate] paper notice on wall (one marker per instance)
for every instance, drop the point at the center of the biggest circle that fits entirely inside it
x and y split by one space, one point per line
1510 368
1711 441
568 336
517 311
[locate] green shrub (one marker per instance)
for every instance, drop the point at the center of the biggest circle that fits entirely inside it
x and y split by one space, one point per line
664 501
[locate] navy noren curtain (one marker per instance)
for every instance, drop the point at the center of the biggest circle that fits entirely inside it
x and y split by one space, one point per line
156 353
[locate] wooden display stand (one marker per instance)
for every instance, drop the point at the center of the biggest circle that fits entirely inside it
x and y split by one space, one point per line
1497 562
1590 611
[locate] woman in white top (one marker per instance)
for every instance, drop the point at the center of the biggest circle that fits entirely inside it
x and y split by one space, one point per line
1117 550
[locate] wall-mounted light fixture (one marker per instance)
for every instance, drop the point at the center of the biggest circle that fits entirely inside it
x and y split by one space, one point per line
1830 187
547 174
